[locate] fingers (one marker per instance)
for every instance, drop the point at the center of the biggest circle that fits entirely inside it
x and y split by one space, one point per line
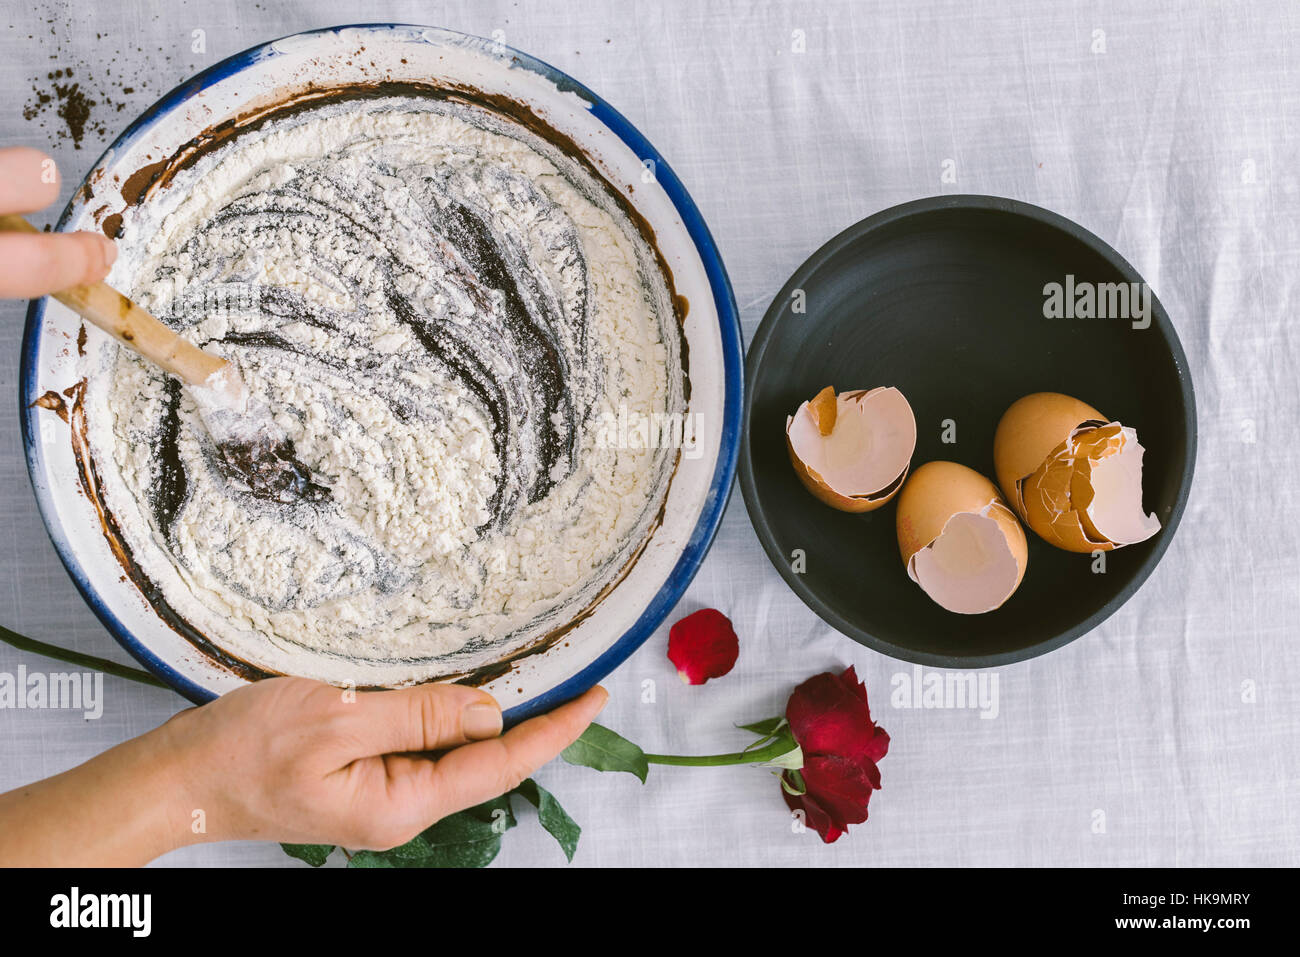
35 264
29 180
428 717
476 772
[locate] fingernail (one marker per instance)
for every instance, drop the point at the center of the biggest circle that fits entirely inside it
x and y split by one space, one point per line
110 253
481 720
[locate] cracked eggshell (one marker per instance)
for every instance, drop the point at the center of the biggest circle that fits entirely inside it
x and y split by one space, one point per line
852 451
959 540
1031 430
1072 475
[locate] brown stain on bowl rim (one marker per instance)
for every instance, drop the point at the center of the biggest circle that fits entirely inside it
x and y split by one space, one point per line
148 180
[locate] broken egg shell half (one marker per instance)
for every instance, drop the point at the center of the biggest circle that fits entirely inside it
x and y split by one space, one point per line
852 451
959 540
1072 475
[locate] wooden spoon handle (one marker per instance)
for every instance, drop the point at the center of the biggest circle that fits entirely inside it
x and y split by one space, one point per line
129 324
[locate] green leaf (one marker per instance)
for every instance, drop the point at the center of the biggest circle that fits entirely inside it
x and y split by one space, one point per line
552 817
313 854
469 838
604 750
496 812
769 732
371 859
764 729
479 851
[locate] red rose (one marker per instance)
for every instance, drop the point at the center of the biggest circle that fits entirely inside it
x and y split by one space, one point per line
830 719
703 645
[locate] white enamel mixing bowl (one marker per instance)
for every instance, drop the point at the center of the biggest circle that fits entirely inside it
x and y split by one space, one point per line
699 490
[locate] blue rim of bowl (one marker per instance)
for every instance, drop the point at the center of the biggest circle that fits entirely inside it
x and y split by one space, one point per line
758 345
724 300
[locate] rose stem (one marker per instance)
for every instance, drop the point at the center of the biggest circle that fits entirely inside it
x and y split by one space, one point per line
782 745
23 643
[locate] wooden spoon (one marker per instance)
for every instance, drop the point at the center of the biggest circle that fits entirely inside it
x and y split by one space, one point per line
126 322
252 450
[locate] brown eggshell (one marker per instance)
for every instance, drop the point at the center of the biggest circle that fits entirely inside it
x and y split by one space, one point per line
826 410
1031 430
1047 508
1015 536
935 493
828 496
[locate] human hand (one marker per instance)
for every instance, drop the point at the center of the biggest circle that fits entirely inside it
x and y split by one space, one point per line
286 759
298 761
34 264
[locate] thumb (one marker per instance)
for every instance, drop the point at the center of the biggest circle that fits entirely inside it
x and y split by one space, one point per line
471 775
428 717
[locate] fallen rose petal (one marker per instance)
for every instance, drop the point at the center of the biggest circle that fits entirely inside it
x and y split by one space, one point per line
703 645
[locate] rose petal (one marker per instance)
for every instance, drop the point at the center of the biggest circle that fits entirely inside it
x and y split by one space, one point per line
830 718
837 792
813 815
879 746
703 645
828 714
849 679
841 786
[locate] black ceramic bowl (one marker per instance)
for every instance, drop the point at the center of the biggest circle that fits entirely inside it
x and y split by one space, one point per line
944 298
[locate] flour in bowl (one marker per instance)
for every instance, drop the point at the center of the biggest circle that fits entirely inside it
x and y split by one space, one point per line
443 307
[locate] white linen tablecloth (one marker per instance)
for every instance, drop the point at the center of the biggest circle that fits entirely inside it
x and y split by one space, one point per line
1168 736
